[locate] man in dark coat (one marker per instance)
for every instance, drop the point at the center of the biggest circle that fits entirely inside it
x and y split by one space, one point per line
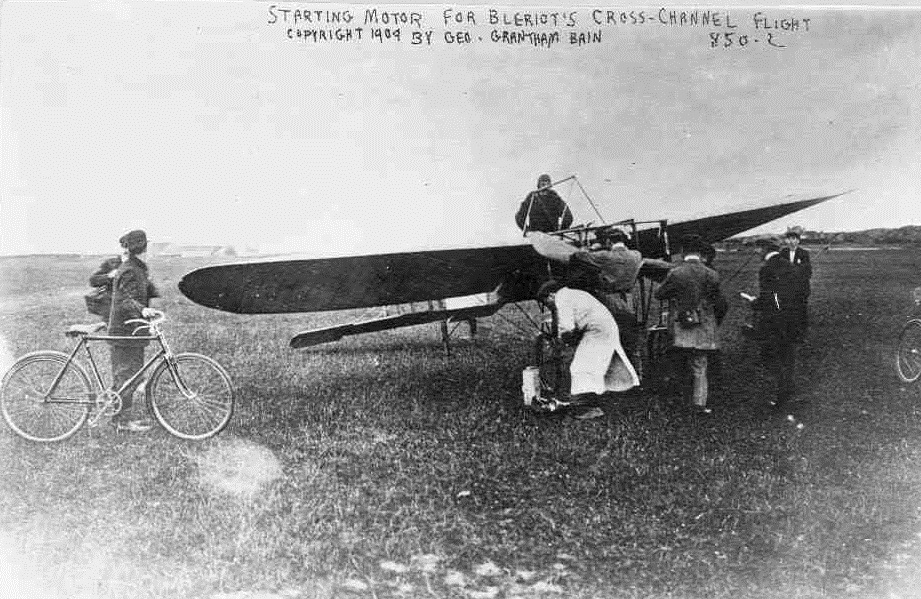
543 210
780 326
696 306
131 294
800 280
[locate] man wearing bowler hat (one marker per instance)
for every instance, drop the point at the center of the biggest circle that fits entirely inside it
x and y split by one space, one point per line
131 295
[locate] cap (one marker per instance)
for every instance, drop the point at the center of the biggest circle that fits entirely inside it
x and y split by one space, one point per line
547 288
611 234
771 244
134 241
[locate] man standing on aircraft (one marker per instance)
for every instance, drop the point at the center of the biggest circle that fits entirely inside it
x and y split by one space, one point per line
131 295
543 210
600 363
693 290
800 281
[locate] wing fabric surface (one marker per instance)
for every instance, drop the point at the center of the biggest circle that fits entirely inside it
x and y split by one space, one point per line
356 281
723 226
335 333
317 285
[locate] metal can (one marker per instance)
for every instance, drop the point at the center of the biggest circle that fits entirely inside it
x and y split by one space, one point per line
530 384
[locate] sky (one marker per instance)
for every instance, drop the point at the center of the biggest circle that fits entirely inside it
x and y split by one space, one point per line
202 123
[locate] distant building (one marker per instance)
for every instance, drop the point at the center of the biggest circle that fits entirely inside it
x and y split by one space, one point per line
190 251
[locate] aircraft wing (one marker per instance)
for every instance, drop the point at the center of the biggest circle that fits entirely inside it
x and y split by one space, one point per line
358 281
514 271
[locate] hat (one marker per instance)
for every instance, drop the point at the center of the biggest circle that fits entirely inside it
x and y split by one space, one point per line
693 244
612 235
795 231
708 252
772 244
544 179
551 286
134 241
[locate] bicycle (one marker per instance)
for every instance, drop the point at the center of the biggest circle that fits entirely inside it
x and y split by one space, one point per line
46 396
908 352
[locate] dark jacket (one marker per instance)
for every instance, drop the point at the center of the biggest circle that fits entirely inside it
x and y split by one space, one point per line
693 286
548 212
101 278
802 273
131 292
780 307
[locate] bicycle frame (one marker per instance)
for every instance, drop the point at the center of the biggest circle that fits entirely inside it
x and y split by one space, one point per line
164 353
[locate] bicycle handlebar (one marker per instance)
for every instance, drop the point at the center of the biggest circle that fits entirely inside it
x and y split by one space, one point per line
152 323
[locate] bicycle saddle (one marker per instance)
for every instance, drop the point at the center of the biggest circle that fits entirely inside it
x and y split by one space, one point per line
78 330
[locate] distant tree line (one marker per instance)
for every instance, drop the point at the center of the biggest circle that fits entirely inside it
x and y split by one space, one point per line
909 235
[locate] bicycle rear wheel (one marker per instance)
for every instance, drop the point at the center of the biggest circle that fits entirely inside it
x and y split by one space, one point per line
207 406
908 355
28 411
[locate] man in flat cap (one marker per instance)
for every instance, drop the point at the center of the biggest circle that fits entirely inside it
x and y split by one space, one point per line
693 291
131 295
543 209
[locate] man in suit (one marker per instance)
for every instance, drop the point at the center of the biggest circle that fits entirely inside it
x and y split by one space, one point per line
693 291
780 326
799 281
543 209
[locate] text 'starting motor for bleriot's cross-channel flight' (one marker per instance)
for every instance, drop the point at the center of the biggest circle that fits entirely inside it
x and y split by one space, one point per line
740 29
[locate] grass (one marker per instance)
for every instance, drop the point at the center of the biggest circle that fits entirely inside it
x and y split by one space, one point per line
374 467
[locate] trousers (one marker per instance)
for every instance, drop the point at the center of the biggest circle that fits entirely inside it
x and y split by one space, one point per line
127 359
690 369
780 362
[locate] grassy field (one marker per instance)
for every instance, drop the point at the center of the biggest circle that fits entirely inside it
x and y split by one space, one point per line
376 468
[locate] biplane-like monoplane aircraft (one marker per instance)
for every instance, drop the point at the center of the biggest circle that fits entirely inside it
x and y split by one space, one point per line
446 285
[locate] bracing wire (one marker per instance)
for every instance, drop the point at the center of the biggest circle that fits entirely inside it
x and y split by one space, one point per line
587 197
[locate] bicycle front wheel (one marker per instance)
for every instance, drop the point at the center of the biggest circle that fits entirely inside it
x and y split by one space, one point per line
908 355
193 399
37 415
